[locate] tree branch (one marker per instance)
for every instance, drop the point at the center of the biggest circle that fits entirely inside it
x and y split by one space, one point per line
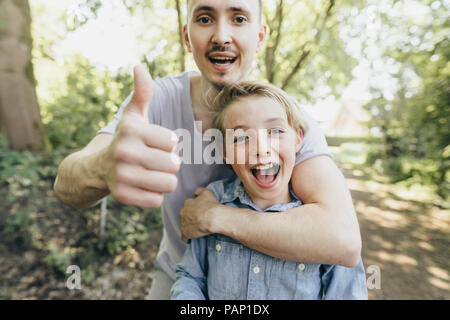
180 36
307 47
271 51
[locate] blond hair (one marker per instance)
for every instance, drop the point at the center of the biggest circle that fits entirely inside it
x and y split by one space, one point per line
243 89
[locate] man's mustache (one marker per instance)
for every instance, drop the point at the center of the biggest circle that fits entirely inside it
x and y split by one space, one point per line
221 49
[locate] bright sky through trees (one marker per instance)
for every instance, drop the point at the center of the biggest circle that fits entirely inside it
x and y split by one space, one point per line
115 39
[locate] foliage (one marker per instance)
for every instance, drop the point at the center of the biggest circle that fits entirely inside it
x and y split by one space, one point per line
90 100
59 258
304 54
129 228
26 181
414 122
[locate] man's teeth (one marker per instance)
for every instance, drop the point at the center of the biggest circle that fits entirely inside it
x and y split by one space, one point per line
222 58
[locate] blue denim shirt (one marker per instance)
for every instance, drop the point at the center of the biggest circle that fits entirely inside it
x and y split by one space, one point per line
219 267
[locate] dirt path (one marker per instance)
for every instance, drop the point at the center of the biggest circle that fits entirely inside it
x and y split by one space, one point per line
408 240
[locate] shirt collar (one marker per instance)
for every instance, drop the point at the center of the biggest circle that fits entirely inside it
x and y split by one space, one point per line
235 191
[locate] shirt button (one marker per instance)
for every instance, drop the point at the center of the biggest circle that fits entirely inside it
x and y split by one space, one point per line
256 270
301 267
218 247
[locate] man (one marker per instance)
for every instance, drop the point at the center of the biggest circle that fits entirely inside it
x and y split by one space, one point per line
132 158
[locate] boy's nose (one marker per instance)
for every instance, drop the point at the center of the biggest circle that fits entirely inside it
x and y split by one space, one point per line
263 147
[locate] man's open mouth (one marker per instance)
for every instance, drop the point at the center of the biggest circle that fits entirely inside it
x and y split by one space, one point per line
222 60
266 174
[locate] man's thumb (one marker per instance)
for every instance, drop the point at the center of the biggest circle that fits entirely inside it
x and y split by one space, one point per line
143 91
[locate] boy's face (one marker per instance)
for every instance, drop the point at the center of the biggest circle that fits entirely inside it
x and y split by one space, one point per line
224 36
262 147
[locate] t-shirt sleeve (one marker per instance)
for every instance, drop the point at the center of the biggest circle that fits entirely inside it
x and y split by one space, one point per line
154 110
314 143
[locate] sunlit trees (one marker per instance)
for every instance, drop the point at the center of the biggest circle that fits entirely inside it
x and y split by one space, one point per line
304 54
411 89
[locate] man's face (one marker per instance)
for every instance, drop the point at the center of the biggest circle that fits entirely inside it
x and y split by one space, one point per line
224 36
262 147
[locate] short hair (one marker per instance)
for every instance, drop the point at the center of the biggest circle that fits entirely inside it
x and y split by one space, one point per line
243 89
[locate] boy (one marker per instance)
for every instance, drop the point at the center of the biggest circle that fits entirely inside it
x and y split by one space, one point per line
264 131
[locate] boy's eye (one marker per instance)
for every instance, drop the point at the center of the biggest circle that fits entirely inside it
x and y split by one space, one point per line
204 20
240 139
276 131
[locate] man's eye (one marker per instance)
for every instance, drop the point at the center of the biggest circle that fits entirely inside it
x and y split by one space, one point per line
240 139
240 20
204 20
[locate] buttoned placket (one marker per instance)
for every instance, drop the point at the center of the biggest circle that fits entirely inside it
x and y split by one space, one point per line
255 274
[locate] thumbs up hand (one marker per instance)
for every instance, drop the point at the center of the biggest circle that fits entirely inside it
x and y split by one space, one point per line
143 91
141 164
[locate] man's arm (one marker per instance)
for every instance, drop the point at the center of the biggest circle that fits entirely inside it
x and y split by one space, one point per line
79 182
323 230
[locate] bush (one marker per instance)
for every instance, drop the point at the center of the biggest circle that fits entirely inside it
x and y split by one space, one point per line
130 227
59 259
90 100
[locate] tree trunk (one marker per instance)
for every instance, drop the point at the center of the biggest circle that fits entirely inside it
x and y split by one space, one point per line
20 120
274 30
180 36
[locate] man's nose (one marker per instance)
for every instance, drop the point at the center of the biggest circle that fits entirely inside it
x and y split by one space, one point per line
222 34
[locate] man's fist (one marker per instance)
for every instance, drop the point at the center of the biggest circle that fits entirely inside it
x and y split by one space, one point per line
195 216
140 163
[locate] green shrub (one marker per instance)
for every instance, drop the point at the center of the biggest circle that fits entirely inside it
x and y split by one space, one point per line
59 259
90 100
131 227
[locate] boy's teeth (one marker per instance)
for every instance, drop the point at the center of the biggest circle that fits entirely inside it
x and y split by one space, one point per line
264 167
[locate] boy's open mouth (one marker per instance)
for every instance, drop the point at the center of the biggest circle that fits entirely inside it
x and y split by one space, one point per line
266 174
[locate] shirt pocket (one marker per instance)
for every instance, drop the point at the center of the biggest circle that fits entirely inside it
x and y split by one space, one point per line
226 265
294 281
309 284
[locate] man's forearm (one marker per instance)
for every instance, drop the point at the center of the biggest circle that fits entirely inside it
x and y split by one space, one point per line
307 233
79 182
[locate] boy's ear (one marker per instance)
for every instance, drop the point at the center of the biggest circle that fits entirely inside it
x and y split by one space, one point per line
186 39
298 140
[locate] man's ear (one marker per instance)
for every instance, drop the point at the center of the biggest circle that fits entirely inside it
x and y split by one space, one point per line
262 35
186 39
298 140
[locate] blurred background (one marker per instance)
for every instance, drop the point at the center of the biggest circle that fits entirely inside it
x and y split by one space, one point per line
374 74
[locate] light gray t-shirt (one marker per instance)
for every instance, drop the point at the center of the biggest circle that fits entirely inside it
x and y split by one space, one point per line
171 107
